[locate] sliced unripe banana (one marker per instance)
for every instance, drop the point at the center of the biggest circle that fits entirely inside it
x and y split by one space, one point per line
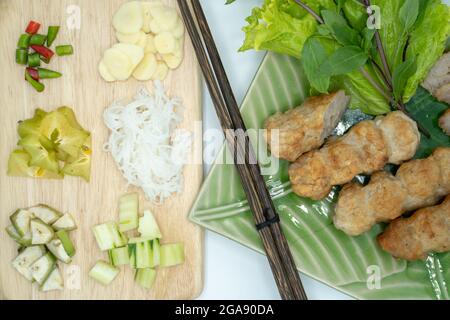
104 72
161 72
146 8
132 51
128 19
178 31
165 16
172 60
154 27
165 43
142 42
118 64
150 45
146 68
129 38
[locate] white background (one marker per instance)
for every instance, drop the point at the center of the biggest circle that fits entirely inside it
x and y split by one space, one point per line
233 271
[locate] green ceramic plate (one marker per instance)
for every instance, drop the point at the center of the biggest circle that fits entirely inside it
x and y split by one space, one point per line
354 265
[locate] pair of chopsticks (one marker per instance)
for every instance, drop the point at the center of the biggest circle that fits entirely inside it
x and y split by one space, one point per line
266 219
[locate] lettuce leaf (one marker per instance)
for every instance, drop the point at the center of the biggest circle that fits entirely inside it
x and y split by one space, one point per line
282 26
392 33
427 42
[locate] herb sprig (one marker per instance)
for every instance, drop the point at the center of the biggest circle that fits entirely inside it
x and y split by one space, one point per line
354 51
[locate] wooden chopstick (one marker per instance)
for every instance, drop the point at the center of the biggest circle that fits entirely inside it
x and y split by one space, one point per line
274 242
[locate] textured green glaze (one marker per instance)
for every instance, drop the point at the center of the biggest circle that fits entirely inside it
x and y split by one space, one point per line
319 249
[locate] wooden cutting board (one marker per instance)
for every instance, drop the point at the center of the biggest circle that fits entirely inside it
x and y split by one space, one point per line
91 203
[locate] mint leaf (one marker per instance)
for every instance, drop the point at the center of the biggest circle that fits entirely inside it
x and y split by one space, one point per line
344 60
401 75
314 54
408 14
343 33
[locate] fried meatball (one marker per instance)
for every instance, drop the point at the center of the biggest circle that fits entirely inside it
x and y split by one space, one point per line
427 230
304 128
417 184
438 79
366 148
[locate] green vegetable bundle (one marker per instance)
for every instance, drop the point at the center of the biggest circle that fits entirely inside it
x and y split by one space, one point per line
47 140
380 57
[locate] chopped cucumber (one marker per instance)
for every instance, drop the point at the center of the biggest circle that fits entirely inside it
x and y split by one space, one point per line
145 277
148 227
66 222
109 237
104 272
45 213
41 233
128 212
26 258
54 281
41 269
119 256
21 221
56 247
156 252
12 232
144 255
66 242
139 239
171 254
132 255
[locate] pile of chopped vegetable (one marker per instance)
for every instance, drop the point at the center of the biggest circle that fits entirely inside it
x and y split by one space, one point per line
380 68
42 234
151 36
52 144
143 253
40 45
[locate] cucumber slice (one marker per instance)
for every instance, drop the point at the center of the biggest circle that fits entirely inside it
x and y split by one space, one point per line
21 221
104 272
156 252
139 239
26 258
119 256
53 282
144 255
41 269
66 242
108 236
132 255
47 214
41 233
128 212
145 277
66 222
148 227
56 247
171 254
12 232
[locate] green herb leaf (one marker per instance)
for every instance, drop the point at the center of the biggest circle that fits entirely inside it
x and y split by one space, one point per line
408 14
343 33
314 55
344 60
282 26
367 41
401 75
427 42
323 30
426 110
229 1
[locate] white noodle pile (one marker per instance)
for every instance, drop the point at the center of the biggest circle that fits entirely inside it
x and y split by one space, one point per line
148 149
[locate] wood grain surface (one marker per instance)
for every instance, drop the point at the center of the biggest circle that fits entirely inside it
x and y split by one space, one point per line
82 88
